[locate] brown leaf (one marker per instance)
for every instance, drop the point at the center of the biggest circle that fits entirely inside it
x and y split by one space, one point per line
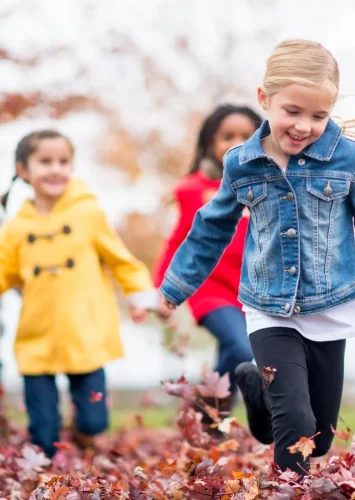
230 445
344 435
59 493
304 445
269 373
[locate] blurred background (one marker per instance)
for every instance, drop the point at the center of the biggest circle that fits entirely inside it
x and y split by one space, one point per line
129 81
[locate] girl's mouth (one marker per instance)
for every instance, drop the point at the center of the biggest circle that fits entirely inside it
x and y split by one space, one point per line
296 139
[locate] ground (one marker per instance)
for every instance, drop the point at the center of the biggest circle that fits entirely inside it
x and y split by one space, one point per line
162 453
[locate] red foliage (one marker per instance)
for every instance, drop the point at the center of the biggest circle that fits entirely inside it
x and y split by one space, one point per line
139 463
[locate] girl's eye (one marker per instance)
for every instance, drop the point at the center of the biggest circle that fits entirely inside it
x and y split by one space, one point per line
319 117
45 161
64 161
291 112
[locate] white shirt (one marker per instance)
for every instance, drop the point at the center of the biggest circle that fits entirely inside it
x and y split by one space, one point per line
334 324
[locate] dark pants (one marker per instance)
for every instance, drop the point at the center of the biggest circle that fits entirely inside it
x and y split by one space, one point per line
306 394
227 325
42 401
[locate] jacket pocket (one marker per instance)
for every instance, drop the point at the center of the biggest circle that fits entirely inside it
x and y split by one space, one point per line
251 194
255 197
325 197
328 189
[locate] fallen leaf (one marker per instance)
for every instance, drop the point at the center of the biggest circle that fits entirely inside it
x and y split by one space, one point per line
95 397
58 493
269 373
304 445
214 385
230 445
341 434
63 446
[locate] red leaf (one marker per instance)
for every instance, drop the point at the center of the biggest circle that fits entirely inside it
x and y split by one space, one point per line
269 373
180 388
215 386
96 397
63 446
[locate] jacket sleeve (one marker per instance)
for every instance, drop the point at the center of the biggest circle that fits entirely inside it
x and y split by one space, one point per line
212 230
130 273
177 235
9 267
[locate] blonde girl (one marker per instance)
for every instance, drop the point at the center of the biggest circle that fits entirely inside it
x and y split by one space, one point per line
297 177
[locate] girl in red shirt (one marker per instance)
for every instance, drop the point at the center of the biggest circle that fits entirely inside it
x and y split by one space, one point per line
214 305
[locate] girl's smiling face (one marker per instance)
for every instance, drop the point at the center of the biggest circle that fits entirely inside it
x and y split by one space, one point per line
233 130
48 168
298 116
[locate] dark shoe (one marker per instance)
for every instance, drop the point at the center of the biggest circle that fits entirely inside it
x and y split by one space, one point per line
259 418
211 413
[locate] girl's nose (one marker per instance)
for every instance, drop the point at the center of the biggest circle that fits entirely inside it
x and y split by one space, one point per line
303 127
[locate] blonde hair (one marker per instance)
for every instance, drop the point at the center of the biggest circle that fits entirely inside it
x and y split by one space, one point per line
306 63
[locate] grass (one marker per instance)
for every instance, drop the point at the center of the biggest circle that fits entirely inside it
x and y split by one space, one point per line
165 417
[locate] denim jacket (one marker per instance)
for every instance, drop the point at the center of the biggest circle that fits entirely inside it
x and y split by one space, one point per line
299 255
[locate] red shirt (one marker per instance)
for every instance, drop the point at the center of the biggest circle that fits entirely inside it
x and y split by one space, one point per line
221 288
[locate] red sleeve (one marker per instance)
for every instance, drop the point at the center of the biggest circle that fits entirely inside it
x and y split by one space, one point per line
187 208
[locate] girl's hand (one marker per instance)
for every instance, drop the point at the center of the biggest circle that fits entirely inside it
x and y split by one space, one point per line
169 304
138 314
163 311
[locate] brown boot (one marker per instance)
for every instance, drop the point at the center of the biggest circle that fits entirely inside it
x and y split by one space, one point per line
83 441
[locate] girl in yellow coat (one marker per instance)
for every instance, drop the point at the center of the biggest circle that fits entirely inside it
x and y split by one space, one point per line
60 250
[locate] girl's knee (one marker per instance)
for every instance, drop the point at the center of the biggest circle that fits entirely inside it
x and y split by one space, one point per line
238 354
92 424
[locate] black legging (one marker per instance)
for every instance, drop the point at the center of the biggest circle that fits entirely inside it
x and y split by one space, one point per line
306 394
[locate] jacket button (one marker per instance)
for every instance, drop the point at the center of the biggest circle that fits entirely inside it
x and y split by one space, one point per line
328 191
292 270
31 238
69 263
291 233
290 196
66 229
297 309
301 162
286 307
37 271
250 196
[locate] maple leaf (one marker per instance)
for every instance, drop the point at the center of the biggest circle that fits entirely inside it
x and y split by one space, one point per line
58 493
180 388
269 373
227 424
95 397
341 434
214 385
32 459
304 445
230 445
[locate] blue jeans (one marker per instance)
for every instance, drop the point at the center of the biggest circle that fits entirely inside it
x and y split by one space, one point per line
228 326
42 401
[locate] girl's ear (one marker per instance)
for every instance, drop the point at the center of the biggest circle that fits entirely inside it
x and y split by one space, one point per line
21 171
263 99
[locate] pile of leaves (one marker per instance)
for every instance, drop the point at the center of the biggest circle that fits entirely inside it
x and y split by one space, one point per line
187 462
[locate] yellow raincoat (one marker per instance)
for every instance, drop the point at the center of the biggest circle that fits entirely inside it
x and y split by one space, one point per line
69 320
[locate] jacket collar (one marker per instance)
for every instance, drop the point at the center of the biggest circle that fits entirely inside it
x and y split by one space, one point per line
322 149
